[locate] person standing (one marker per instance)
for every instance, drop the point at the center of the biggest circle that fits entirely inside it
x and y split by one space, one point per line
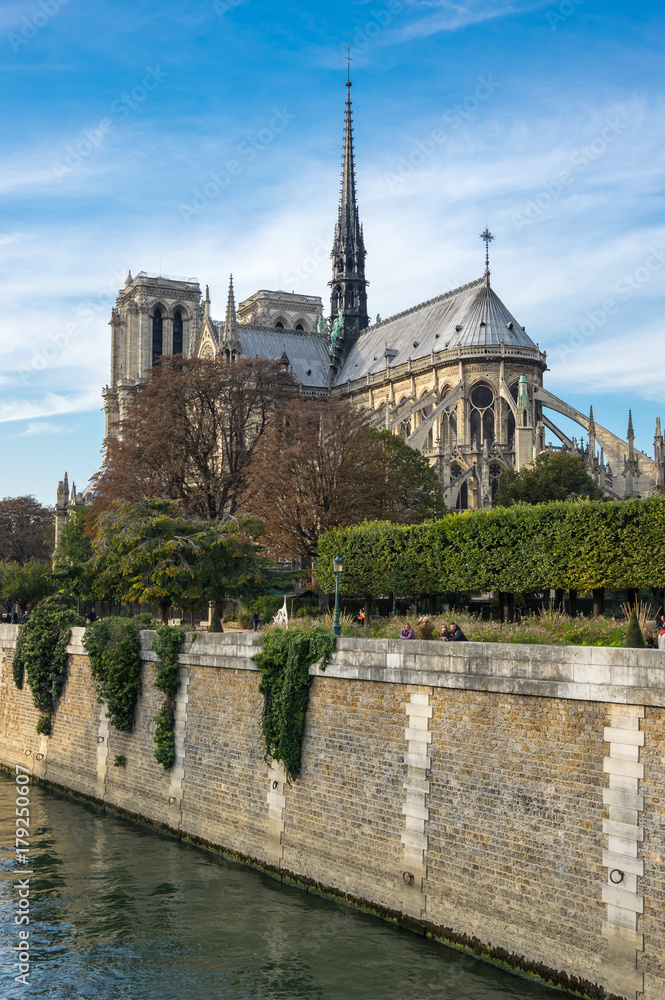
255 621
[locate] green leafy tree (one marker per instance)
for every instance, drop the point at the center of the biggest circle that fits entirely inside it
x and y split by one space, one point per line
147 552
72 561
412 491
151 552
553 476
25 584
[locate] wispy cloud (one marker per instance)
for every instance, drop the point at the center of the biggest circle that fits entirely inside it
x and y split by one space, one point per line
441 15
52 404
43 429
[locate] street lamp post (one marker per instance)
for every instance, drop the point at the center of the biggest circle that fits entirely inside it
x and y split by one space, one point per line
337 568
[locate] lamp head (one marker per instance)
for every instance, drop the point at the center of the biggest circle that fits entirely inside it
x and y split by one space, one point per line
338 564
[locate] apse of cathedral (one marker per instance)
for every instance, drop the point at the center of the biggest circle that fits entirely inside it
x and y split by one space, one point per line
457 377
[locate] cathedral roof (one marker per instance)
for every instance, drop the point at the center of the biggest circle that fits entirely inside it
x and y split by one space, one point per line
307 353
467 317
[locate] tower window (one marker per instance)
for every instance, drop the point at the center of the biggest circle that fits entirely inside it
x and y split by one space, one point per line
177 333
157 335
299 326
279 325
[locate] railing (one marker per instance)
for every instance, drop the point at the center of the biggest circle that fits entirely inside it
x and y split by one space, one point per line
167 277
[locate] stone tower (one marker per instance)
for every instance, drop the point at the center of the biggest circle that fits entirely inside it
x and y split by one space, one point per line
349 286
153 316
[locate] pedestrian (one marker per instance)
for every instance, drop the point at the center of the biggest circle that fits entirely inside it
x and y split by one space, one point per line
407 632
424 628
661 638
91 615
255 621
456 634
361 616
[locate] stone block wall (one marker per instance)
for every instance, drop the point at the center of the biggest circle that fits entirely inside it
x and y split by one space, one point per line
510 799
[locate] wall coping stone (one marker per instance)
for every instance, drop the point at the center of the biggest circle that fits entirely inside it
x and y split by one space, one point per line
581 673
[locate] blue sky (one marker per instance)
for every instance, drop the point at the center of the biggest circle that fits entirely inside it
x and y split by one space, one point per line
543 119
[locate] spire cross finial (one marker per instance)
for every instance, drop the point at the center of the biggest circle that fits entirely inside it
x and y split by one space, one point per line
349 61
487 238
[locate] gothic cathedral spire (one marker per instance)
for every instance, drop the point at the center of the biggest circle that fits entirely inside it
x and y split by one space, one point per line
348 299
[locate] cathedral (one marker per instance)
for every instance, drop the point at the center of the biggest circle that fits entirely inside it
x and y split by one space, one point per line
457 377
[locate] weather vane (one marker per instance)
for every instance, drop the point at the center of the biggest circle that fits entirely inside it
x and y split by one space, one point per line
487 238
349 61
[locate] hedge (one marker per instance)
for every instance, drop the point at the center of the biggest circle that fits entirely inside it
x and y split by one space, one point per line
577 545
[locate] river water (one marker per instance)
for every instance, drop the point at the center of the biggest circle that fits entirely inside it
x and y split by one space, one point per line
122 912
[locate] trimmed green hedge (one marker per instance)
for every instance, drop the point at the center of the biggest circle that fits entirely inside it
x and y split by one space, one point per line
580 545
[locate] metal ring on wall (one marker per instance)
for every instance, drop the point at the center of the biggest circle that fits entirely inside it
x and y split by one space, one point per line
275 784
28 752
616 881
171 800
100 739
408 878
40 756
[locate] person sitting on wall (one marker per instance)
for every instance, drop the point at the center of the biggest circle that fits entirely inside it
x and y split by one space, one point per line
650 642
661 638
424 628
407 632
444 633
456 634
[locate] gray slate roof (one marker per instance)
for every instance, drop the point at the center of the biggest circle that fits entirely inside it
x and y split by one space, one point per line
470 316
307 352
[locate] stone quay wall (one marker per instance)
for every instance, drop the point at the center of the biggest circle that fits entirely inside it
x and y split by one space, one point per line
509 799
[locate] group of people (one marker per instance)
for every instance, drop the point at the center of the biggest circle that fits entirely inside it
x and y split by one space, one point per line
425 630
14 618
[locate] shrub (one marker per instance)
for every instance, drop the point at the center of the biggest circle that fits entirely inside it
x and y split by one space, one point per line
114 650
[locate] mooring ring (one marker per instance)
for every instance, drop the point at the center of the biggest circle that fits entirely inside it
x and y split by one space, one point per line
408 878
616 871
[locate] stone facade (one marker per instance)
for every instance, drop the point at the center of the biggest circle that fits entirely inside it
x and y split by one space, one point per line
508 799
283 310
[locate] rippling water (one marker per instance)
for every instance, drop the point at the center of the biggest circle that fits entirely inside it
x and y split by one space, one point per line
118 911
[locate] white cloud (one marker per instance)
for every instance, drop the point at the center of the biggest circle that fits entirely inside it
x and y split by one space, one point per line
42 429
49 405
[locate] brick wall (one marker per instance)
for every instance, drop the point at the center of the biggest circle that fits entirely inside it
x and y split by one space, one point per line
490 794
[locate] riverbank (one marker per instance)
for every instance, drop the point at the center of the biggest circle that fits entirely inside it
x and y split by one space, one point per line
483 794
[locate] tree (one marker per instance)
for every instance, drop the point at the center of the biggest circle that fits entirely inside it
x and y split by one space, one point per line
318 466
26 530
634 638
25 584
152 552
190 433
553 476
72 561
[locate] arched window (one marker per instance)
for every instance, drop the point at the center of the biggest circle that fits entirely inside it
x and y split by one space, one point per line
300 327
482 414
495 475
227 354
177 332
463 496
157 335
279 325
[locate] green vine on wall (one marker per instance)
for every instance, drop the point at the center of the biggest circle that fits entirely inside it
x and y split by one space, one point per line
41 653
284 663
167 644
114 649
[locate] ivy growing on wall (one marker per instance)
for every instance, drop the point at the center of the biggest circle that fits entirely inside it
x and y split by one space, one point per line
113 646
284 663
167 644
41 653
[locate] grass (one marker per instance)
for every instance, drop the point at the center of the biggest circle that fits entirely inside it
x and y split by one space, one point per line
545 629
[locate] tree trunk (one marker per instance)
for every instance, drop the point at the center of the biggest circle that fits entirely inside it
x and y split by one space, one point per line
631 597
598 601
558 600
432 604
572 603
502 608
368 611
658 599
216 617
323 602
508 607
391 600
164 613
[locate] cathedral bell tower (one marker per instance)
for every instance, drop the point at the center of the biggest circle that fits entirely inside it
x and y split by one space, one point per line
348 299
